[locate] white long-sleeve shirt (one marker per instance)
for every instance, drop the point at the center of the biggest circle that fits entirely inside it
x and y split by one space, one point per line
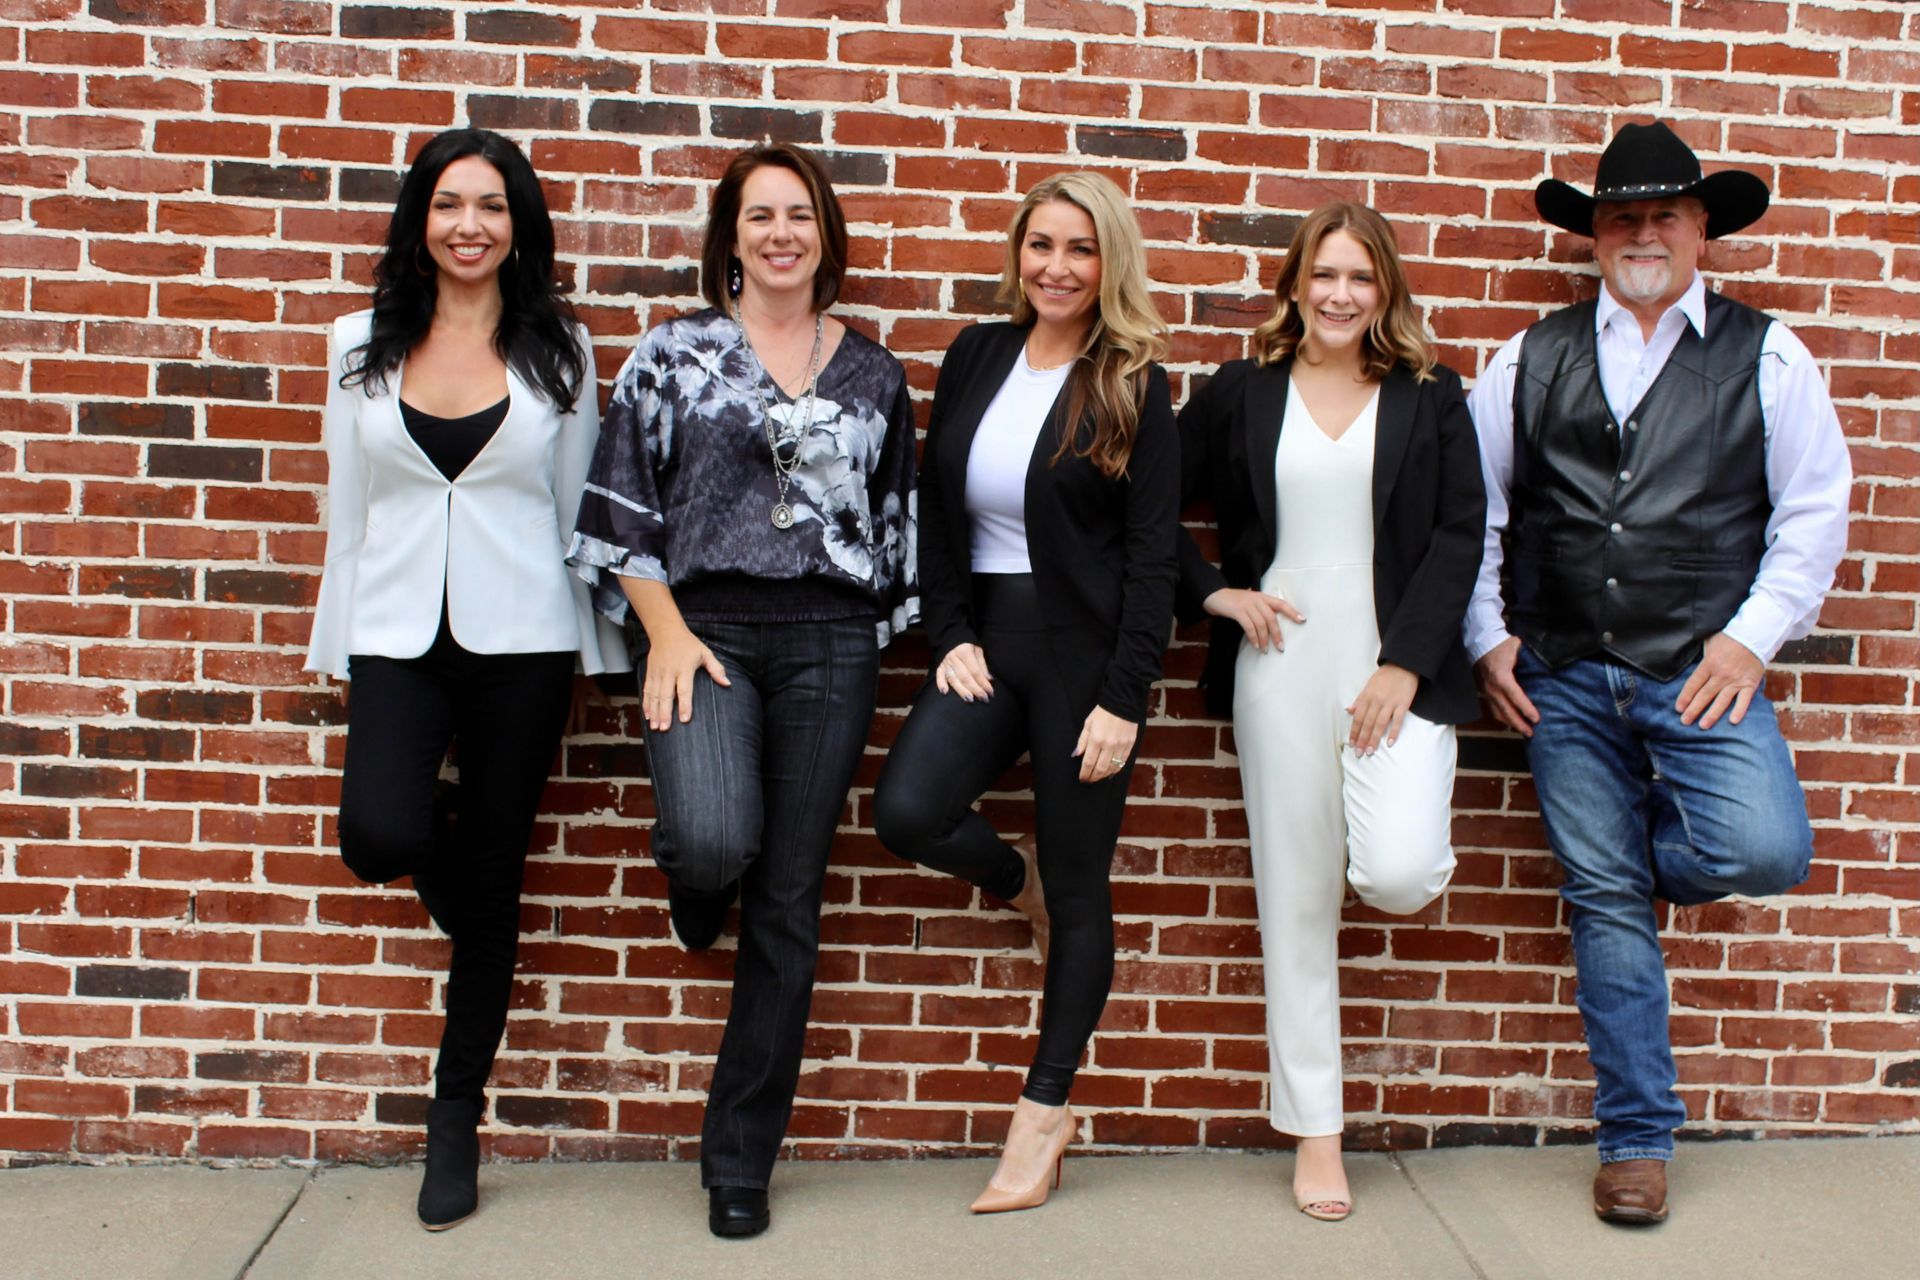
1809 473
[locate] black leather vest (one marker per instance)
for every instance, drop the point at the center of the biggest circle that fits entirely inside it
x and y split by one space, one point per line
1637 539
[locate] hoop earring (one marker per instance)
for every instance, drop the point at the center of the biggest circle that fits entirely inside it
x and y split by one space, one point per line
426 270
513 257
735 280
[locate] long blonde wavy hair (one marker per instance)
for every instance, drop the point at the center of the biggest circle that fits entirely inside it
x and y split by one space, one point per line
1109 377
1396 335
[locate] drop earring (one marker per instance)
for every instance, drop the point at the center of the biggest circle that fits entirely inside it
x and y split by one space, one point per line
735 280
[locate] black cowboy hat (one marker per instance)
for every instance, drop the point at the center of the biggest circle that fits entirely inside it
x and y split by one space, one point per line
1649 162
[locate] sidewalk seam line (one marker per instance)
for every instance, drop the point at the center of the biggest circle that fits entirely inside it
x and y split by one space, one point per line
278 1222
1393 1157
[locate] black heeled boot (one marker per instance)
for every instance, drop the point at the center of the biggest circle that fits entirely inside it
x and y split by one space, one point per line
450 1190
737 1211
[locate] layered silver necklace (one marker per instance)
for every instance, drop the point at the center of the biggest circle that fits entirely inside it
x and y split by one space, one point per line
783 469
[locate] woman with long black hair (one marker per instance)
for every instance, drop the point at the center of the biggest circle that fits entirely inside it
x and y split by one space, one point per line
460 417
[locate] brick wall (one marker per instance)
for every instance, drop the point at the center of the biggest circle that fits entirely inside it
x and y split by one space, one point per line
190 189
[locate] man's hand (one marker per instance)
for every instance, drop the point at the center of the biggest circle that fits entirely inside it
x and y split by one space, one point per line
1729 674
1501 692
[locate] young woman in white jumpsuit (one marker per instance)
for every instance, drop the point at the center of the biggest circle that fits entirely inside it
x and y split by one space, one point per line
1344 474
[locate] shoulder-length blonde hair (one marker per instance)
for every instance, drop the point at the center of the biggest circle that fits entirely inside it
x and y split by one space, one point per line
1109 377
1396 335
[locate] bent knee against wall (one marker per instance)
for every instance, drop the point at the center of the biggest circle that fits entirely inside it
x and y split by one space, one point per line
1407 883
379 850
706 854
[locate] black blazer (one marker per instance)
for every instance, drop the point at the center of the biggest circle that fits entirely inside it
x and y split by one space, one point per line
1429 521
1102 550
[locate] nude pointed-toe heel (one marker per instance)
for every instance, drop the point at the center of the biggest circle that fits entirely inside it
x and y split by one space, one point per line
999 1200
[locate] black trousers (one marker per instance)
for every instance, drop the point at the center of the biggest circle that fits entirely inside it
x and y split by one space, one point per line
749 793
951 751
468 853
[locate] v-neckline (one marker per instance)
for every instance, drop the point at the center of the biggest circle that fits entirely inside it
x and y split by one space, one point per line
1293 389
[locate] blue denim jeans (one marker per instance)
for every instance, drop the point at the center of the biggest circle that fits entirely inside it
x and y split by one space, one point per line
751 791
1639 806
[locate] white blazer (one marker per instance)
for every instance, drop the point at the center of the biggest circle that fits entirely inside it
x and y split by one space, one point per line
400 535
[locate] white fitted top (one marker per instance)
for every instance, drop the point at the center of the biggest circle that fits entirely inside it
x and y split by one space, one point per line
997 466
1323 489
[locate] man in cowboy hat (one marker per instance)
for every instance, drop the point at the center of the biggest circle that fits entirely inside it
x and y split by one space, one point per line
1667 490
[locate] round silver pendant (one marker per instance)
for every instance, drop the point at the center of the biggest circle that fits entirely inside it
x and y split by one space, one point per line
782 516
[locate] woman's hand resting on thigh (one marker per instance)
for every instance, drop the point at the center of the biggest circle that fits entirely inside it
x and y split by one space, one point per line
667 687
1257 613
1106 742
1381 708
963 670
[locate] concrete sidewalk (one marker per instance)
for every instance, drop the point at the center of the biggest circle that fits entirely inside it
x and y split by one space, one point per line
1751 1210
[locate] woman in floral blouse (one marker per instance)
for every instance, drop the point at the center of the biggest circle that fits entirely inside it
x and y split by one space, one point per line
751 503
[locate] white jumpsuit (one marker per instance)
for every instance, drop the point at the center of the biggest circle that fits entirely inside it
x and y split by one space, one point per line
1320 815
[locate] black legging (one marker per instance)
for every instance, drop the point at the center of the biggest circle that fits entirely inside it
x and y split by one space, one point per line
951 751
506 712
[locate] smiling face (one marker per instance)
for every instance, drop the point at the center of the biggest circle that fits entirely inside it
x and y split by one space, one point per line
1648 249
1060 264
777 235
469 232
1339 297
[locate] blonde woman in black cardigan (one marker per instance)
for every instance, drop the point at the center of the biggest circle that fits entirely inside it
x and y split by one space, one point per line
1048 508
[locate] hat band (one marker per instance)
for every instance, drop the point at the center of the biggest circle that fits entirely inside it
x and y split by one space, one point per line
1643 189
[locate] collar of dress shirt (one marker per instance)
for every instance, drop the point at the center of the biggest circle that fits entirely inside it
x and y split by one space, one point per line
1692 306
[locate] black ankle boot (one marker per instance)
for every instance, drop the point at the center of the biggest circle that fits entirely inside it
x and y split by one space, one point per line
450 1191
737 1211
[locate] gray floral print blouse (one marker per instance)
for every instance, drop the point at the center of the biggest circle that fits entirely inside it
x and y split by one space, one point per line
682 485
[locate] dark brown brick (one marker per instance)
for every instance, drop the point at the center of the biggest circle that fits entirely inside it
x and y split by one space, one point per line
24 740
252 1064
73 782
212 382
269 182
504 26
369 186
101 743
673 119
145 421
774 124
392 22
514 111
258 586
1123 143
205 462
1260 230
195 706
130 982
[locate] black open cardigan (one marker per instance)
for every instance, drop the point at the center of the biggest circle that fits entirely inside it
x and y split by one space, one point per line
1429 521
1102 550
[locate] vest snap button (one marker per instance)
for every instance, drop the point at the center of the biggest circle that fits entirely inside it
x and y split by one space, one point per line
1606 637
1633 426
1612 583
1615 527
1626 475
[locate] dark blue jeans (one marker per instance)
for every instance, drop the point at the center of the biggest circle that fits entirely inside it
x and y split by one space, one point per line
1639 806
751 791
